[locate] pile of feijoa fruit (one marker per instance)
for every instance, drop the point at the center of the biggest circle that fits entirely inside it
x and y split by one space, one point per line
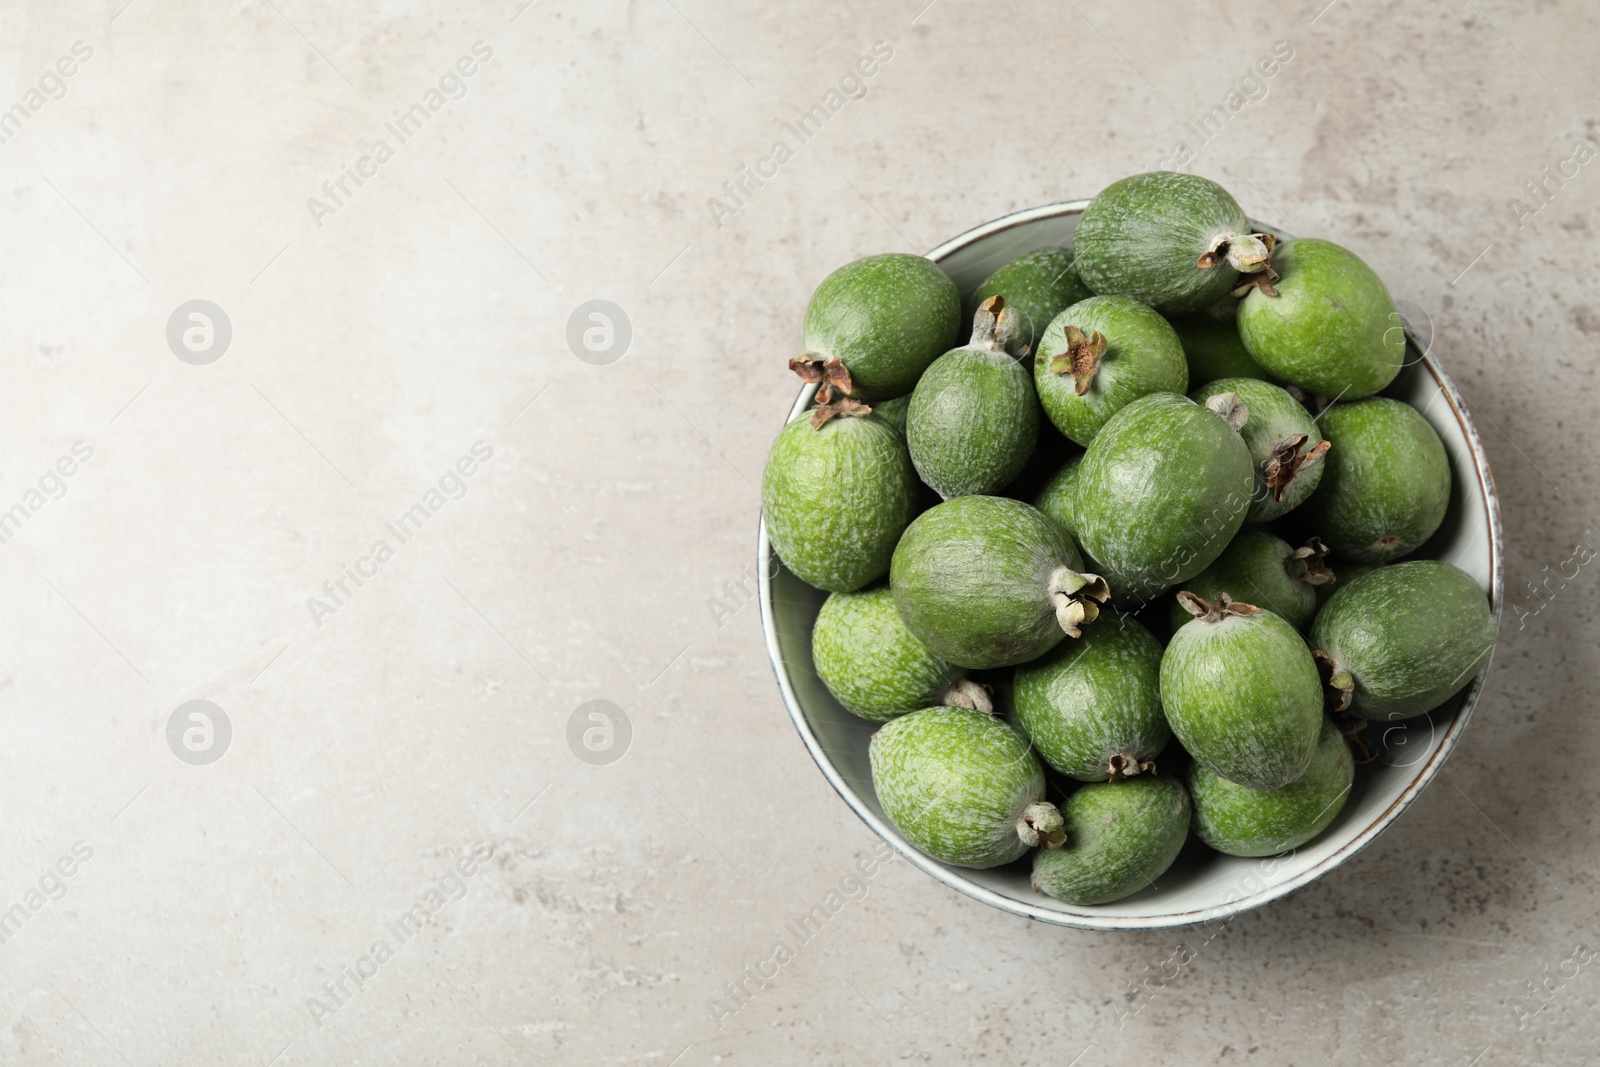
1146 542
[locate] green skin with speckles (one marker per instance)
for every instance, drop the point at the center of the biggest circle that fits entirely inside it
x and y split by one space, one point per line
893 411
1387 481
955 783
1254 569
1214 349
1243 696
1410 634
836 500
1274 416
1248 822
886 318
1039 284
1057 496
971 578
1095 698
1143 355
1141 237
1161 491
973 422
1344 572
1121 837
1332 329
870 662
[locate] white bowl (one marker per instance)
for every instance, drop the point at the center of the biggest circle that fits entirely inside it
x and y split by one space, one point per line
1201 885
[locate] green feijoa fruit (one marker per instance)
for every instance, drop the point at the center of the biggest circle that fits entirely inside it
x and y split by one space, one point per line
986 581
1385 483
1092 707
962 786
1177 242
1344 572
1327 324
1285 445
1040 285
974 419
1263 569
875 667
885 318
1241 691
893 411
1401 640
1161 491
1213 348
1057 496
1098 356
1121 837
1247 822
836 497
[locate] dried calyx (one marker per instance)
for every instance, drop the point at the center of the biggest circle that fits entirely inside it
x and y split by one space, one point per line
1041 824
965 693
833 377
1286 461
1121 766
1309 563
1224 606
1232 409
996 326
1247 253
1341 684
1081 358
1077 598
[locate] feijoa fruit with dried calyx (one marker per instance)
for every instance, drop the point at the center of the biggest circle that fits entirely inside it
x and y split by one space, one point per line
1284 442
1092 707
1385 483
962 786
1098 356
1248 822
1161 491
876 668
1263 569
1402 639
883 319
987 581
1242 693
1329 326
974 419
1121 837
1177 242
1040 285
836 493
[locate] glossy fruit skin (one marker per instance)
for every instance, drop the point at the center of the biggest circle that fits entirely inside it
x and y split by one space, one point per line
1214 349
1275 417
1410 634
1039 284
1254 568
1332 329
835 500
870 662
1058 497
1161 491
1092 699
954 783
1142 235
1386 484
1121 837
1247 822
1142 355
886 317
973 422
1243 696
971 576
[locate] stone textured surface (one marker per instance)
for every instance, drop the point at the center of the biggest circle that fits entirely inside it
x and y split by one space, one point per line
371 752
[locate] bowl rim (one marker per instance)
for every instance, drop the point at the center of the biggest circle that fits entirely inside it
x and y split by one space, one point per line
954 879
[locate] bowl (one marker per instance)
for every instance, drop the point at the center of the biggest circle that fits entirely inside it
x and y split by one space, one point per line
1201 886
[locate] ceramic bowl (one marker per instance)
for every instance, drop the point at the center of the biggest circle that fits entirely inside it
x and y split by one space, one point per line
1202 886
